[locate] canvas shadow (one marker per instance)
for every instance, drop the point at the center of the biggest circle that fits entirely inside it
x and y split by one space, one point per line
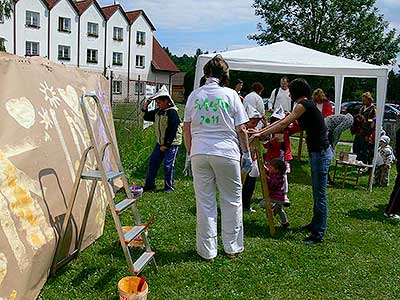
46 178
110 276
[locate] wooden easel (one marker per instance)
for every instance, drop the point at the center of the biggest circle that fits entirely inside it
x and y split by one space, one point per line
255 146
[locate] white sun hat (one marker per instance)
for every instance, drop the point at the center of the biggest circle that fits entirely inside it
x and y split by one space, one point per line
385 139
163 92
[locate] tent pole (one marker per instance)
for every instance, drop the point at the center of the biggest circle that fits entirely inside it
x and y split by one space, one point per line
381 87
339 80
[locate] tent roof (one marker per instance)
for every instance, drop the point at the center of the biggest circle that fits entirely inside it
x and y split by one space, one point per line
286 57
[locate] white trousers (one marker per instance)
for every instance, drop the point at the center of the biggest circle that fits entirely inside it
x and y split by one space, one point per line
210 172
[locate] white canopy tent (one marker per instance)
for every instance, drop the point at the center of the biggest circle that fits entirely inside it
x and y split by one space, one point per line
288 58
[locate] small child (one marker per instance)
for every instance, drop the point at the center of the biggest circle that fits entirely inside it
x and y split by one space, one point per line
279 146
384 160
276 187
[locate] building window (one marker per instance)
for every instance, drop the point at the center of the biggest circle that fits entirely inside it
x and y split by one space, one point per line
32 19
31 48
117 59
64 24
64 52
118 34
139 88
140 37
117 87
140 61
93 29
91 56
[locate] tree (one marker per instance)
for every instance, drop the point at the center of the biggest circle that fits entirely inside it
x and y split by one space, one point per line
353 28
6 7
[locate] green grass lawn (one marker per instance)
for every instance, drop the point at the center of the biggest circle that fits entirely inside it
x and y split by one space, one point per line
358 260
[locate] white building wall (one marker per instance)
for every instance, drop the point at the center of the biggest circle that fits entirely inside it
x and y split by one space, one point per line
146 50
64 9
7 33
120 72
117 20
92 15
24 33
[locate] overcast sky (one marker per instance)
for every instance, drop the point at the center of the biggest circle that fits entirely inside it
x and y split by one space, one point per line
185 25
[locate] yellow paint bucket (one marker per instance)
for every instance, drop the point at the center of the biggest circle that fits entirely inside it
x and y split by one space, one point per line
127 288
136 243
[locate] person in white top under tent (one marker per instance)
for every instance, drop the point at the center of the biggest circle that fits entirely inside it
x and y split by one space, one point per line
280 96
254 100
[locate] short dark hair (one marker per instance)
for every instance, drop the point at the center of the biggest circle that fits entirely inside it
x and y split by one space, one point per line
217 67
298 88
279 165
285 77
257 87
203 80
238 81
358 124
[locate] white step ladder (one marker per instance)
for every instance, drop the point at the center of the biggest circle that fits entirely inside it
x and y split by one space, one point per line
106 177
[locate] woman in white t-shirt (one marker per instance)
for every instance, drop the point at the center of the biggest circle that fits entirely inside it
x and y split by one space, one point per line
214 126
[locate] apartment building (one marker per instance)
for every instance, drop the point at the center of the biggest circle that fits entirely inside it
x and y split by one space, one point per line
98 39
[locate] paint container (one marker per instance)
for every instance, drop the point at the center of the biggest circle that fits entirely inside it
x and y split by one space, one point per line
137 242
137 191
352 158
127 289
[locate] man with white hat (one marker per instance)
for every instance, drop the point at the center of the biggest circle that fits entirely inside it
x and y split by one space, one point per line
168 128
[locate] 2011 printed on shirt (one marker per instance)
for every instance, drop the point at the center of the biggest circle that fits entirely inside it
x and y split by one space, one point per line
206 106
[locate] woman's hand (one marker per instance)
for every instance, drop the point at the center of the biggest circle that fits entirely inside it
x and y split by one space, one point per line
163 148
251 131
253 137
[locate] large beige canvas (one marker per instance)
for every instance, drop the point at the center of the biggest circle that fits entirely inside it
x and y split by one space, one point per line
42 137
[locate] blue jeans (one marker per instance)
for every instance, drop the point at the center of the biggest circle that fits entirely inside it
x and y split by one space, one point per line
320 162
156 158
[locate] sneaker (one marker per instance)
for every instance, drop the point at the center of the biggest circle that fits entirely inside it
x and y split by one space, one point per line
249 210
286 202
388 215
395 217
312 239
285 225
169 191
308 228
233 255
210 260
148 188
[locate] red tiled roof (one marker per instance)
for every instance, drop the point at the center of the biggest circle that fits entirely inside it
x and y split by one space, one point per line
82 6
161 60
134 14
51 3
110 10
